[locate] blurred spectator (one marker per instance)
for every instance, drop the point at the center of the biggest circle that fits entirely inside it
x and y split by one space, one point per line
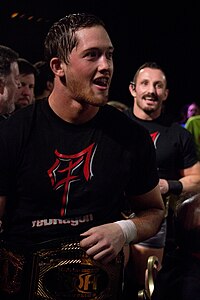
187 111
182 116
44 80
9 80
193 125
27 75
193 110
119 105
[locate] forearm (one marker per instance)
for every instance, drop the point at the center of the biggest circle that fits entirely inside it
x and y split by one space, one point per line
190 179
191 183
147 223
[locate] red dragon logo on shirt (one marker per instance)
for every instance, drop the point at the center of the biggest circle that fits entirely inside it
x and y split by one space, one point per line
67 164
154 137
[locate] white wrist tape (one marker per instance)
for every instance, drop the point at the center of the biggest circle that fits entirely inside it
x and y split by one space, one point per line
129 230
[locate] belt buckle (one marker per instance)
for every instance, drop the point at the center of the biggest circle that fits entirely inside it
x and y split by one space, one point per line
68 273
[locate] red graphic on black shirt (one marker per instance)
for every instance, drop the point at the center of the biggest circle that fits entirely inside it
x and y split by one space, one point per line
154 137
62 173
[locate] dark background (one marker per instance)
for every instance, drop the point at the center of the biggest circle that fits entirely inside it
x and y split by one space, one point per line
167 33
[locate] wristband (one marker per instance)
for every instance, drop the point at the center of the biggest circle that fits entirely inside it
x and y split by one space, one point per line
129 230
175 187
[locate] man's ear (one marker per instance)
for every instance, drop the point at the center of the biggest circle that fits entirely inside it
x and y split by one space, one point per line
132 89
2 85
57 66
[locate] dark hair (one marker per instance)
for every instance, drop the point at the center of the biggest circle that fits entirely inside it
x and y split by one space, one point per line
151 65
25 67
61 38
7 57
187 224
44 75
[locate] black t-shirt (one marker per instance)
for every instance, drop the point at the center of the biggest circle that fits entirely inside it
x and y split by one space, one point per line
61 179
4 117
175 149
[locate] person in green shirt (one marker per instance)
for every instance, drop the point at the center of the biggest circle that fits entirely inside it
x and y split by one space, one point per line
193 125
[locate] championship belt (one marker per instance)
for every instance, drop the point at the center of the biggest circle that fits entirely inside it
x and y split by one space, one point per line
66 272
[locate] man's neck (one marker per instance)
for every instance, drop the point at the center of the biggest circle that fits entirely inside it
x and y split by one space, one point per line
141 114
72 111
